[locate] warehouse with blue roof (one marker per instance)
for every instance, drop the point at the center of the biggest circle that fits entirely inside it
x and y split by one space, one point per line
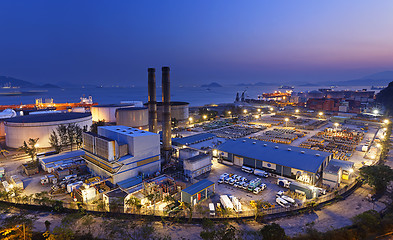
304 165
197 192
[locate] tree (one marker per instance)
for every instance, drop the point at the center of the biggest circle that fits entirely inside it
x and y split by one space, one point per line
385 97
30 148
62 132
79 139
273 232
71 133
133 202
94 127
377 176
55 142
368 221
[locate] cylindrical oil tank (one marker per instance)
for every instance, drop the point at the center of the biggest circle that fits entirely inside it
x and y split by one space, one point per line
20 129
107 112
137 117
179 110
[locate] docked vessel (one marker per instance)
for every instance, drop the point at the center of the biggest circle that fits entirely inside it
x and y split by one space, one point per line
286 87
49 104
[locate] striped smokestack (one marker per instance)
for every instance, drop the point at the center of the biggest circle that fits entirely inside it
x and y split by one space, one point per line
166 115
152 101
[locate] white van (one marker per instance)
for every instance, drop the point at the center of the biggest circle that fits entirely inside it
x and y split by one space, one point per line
212 209
282 202
247 169
261 173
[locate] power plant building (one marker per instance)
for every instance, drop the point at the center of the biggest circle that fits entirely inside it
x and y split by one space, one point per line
121 152
20 129
304 165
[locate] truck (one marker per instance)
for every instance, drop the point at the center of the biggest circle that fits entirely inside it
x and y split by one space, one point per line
212 209
282 203
237 206
16 182
290 200
225 202
283 182
261 173
254 183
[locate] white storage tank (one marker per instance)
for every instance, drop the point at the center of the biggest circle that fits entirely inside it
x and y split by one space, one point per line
107 112
136 117
179 110
20 129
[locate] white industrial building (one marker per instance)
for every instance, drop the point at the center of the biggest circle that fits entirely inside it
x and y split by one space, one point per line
197 165
120 152
20 129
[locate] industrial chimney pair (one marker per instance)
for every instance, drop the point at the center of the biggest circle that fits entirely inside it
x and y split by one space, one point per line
166 115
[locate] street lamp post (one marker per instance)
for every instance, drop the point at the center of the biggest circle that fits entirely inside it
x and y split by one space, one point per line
336 125
320 114
286 122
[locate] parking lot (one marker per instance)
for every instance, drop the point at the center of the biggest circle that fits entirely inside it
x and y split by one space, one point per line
245 196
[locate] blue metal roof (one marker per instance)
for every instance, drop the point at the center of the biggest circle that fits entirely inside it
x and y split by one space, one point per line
193 139
345 165
130 182
197 187
284 155
63 156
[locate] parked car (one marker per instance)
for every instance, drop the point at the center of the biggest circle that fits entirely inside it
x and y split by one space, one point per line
221 180
232 181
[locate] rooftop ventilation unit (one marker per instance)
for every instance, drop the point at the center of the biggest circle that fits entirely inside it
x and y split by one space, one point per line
265 145
254 142
289 149
276 147
303 152
317 154
244 141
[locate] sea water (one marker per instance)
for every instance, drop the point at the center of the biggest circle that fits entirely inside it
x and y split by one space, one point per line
196 96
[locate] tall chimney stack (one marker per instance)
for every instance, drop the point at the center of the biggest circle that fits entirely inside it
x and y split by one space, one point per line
152 101
166 115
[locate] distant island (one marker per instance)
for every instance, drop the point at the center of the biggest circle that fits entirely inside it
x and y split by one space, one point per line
256 84
10 82
376 79
213 84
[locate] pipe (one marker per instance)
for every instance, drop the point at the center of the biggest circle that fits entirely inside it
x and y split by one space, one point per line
152 101
166 115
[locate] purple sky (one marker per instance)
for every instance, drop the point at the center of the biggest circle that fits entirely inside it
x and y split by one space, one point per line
107 42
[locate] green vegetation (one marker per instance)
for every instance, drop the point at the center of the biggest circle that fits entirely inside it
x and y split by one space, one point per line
385 97
66 135
30 148
377 176
94 127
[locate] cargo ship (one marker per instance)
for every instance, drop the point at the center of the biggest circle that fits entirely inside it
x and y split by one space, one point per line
50 105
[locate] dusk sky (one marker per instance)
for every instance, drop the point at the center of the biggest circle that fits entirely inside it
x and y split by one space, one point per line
108 42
